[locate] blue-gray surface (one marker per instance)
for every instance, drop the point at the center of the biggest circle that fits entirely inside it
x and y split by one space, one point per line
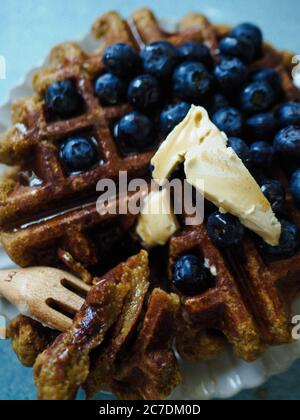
30 28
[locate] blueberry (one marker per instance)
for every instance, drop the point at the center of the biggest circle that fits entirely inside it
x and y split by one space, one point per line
134 133
270 76
250 32
159 59
230 75
224 229
261 154
229 120
196 51
289 114
261 126
287 142
240 148
79 153
190 276
110 89
121 60
144 92
257 97
237 47
288 244
275 193
295 186
191 82
63 99
216 102
172 115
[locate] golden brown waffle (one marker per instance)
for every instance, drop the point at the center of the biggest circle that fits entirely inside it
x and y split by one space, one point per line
92 352
42 188
249 302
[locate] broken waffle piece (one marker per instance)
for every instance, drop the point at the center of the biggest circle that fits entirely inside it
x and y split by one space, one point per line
29 338
150 370
64 366
103 366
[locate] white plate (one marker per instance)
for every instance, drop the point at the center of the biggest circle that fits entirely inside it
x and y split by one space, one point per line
222 378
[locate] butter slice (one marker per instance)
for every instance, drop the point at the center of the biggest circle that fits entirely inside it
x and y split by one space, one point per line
157 222
227 182
230 186
192 131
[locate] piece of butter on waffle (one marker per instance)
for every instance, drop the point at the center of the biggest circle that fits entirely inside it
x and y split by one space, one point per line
192 131
157 222
217 172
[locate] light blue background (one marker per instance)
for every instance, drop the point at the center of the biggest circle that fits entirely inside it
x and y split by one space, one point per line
28 29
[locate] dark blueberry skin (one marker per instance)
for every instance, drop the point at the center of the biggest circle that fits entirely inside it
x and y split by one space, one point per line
240 148
79 153
144 92
172 116
270 76
216 102
190 276
237 47
225 230
289 114
121 60
230 75
229 120
261 154
275 193
191 82
295 186
63 99
196 51
261 126
287 143
159 59
110 89
257 98
134 133
251 33
288 244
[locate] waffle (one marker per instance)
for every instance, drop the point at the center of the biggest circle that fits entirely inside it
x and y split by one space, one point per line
249 303
99 333
31 212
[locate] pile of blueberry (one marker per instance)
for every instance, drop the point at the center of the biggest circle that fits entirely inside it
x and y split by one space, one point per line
162 81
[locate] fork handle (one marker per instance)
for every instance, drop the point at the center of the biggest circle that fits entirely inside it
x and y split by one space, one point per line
10 288
6 279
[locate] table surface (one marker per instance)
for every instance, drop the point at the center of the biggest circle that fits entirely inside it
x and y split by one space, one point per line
29 29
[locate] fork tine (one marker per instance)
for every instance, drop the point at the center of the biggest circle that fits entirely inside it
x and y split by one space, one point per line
76 283
71 301
55 320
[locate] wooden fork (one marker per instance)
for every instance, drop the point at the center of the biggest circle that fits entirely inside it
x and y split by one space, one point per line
45 294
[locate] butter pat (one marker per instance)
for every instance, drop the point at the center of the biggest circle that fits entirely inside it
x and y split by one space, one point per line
217 172
192 131
230 186
157 222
